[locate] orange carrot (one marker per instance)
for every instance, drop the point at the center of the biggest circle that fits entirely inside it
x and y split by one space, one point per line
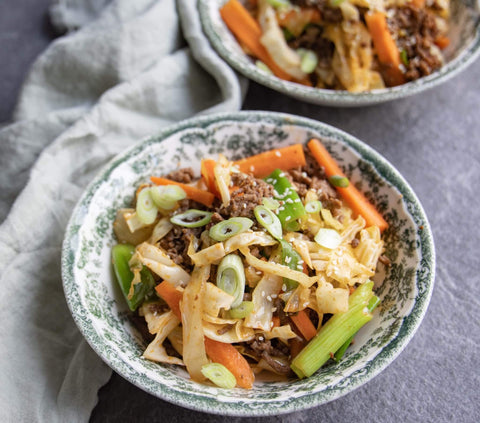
385 47
171 296
304 324
227 355
276 321
207 170
204 197
354 198
442 41
264 164
295 20
248 32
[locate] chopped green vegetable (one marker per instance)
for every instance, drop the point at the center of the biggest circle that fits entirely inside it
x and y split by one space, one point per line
228 228
404 57
146 209
339 181
291 259
166 196
219 375
231 277
288 34
328 238
292 208
279 3
308 60
262 66
338 330
121 255
313 206
269 221
270 203
336 3
241 311
192 218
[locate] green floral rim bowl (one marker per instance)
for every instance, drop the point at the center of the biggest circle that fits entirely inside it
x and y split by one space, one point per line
99 309
464 48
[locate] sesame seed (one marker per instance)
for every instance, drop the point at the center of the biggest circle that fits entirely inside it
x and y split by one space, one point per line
263 294
269 298
278 154
252 168
288 218
284 287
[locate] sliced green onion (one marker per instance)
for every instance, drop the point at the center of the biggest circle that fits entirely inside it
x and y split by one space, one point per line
339 181
192 218
242 311
313 206
336 3
228 228
308 60
166 196
338 330
404 57
270 203
279 3
269 221
291 259
231 278
146 209
262 66
219 375
328 238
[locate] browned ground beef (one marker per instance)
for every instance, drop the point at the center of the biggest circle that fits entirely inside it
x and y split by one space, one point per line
246 197
417 30
184 175
329 14
260 347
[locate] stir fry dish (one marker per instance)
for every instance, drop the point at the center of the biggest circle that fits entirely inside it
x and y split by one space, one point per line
263 264
353 45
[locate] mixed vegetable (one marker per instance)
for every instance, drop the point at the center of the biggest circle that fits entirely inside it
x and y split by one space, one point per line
263 264
354 45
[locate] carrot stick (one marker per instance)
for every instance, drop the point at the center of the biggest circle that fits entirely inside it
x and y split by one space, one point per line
248 32
420 4
227 355
354 198
204 197
304 324
264 164
442 41
207 170
385 47
171 296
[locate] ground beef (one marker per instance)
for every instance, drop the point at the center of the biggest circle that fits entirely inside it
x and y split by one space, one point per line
141 325
312 177
260 347
416 31
312 39
185 175
246 197
329 14
176 242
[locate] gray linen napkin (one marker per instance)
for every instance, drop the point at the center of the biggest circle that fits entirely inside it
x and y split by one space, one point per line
122 73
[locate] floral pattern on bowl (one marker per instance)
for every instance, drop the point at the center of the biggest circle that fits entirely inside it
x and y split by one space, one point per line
99 309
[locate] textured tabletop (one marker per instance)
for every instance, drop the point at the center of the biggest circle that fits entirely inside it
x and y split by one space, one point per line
433 140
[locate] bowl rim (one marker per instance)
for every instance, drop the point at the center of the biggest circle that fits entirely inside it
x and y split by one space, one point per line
336 98
408 327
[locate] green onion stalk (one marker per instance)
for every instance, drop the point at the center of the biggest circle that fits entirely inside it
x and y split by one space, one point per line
121 255
336 332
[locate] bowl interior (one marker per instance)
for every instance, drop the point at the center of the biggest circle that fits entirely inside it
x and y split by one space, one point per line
464 34
100 311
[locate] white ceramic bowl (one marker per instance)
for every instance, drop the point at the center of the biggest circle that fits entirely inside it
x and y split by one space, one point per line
463 50
99 309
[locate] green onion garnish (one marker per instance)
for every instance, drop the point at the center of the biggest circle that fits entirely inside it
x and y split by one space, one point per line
231 278
219 375
328 238
262 66
270 203
269 221
192 218
308 60
279 3
242 311
146 209
313 206
228 228
339 181
404 57
166 196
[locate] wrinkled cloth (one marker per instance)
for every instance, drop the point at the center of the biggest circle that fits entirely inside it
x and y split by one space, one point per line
122 72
